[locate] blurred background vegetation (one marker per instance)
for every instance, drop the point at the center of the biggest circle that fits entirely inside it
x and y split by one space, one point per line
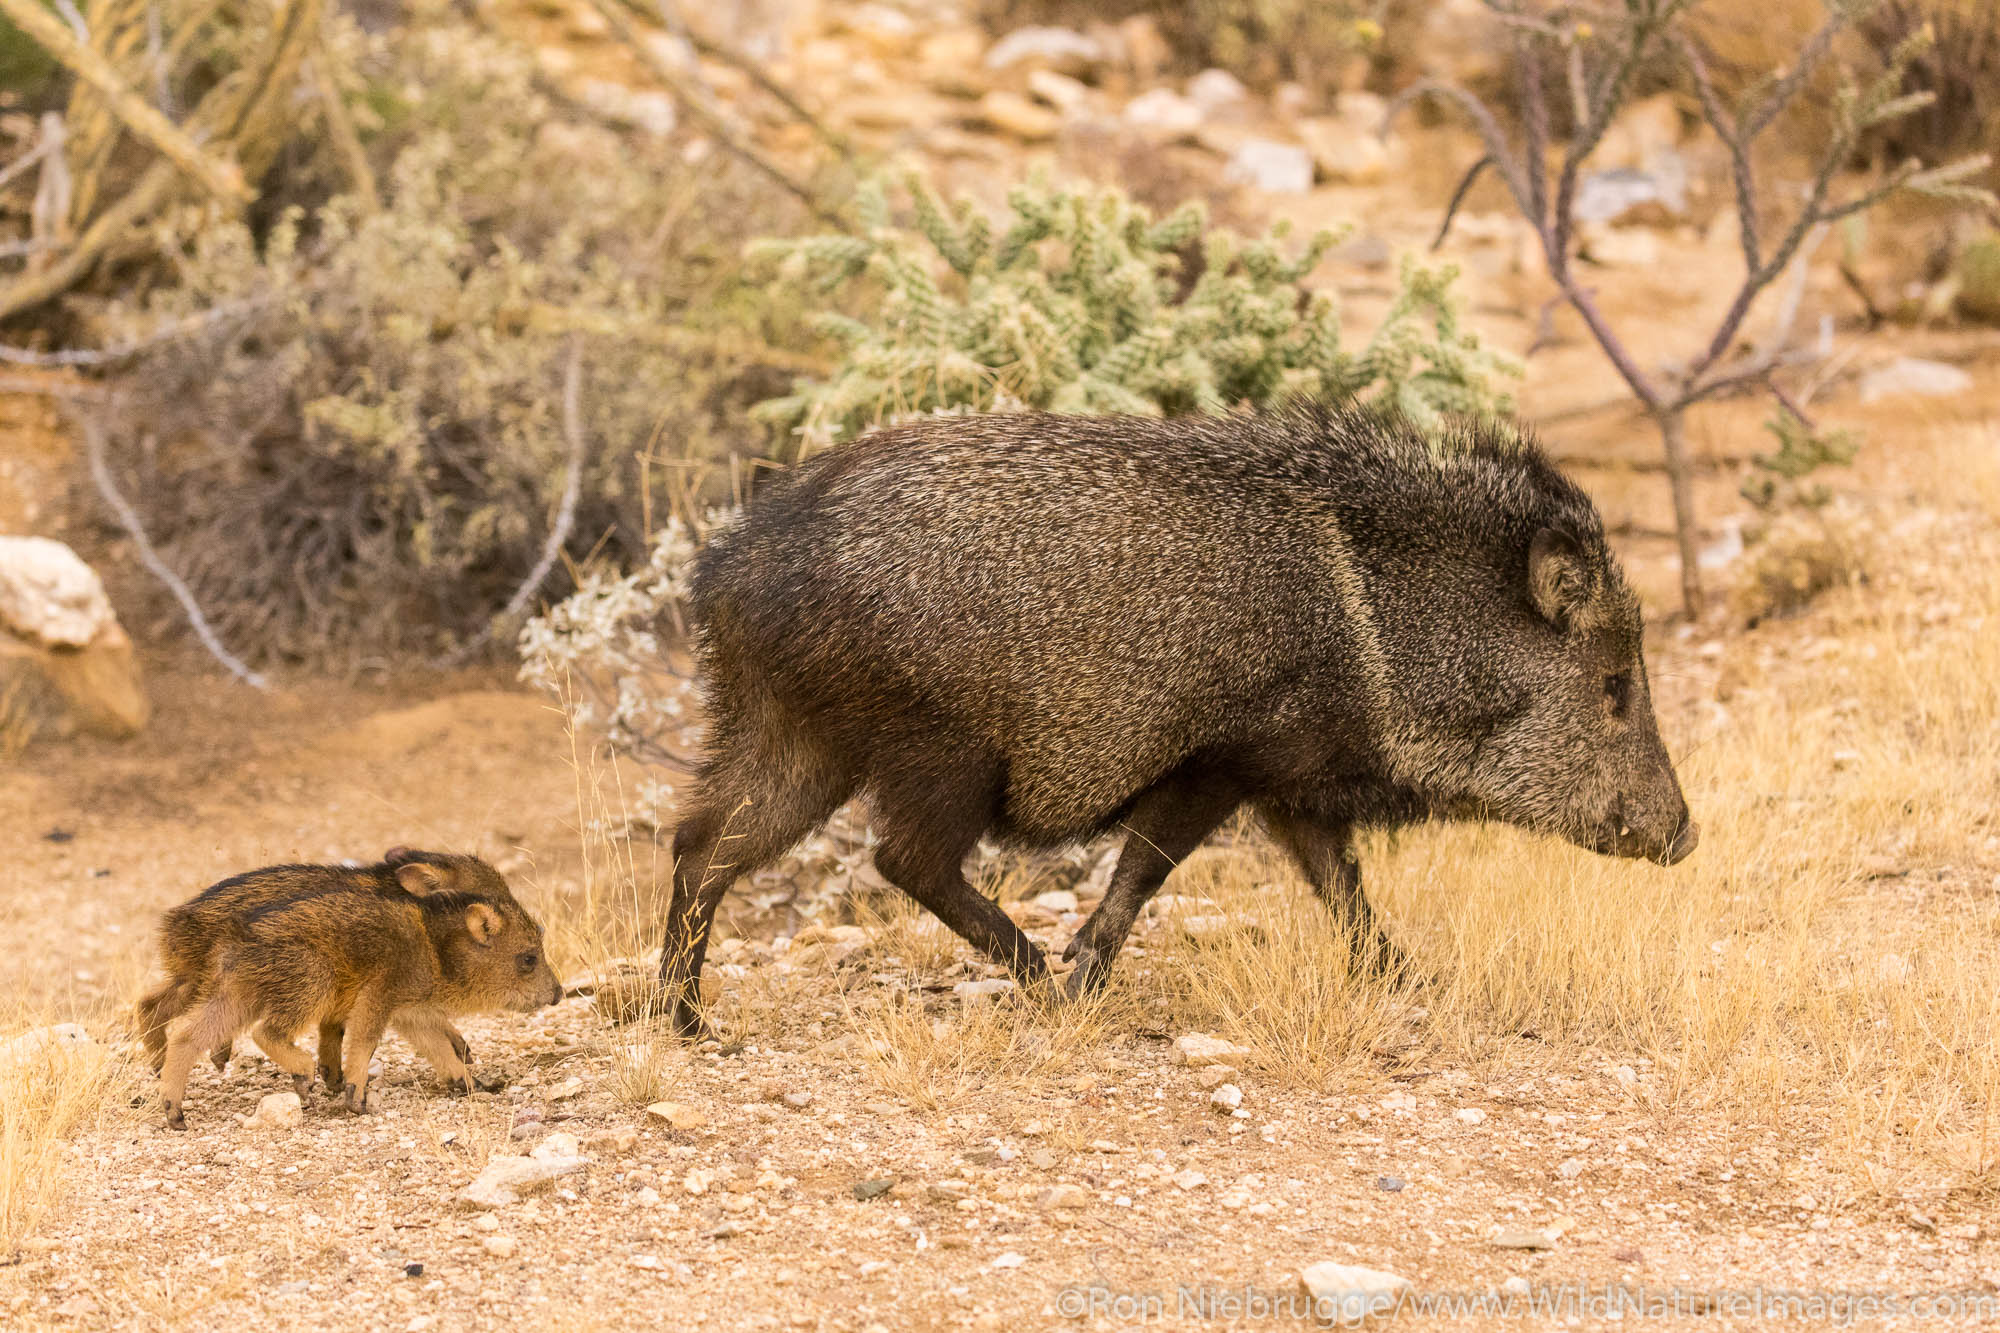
318 273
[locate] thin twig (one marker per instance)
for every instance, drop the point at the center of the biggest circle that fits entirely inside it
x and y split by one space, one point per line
20 165
222 179
104 356
100 472
558 538
1465 185
755 72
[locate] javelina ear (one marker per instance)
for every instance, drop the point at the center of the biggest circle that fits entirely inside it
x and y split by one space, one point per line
482 923
420 877
1559 580
395 856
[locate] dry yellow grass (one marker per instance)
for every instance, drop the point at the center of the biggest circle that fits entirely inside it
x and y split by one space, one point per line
50 1087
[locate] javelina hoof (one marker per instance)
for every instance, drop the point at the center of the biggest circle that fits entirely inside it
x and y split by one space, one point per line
356 1102
460 1049
302 1084
219 1057
460 1086
330 1077
175 1120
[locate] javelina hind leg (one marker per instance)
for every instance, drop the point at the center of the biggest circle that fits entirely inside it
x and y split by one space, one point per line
286 1054
927 825
1167 822
366 1023
215 1021
331 1034
752 808
1324 849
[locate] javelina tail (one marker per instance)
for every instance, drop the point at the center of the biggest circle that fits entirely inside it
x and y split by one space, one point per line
157 1010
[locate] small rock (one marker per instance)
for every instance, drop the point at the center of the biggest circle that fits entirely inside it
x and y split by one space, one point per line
982 990
1065 95
413 1269
1210 1076
1216 88
1516 1286
277 1110
1056 900
1163 114
1628 1255
1348 1292
1524 1238
622 1139
1014 114
1063 1196
1198 1048
1042 1159
1470 1115
1344 153
865 1190
1399 1101
1189 1179
558 1146
1571 1168
1226 1098
647 1197
47 593
1390 1184
948 1191
1907 375
797 1100
500 1247
563 1091
677 1115
486 1222
505 1179
1009 1260
1627 1076
1060 49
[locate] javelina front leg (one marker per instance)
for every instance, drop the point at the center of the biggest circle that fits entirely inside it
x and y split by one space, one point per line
1167 822
438 1042
1324 850
331 1033
927 826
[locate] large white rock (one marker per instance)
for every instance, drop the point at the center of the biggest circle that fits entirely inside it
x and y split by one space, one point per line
1275 168
1163 113
1061 49
48 594
506 1179
1907 375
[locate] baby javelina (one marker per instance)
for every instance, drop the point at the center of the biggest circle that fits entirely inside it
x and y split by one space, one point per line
448 938
192 935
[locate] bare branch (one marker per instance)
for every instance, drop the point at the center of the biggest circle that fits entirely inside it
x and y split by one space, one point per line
1787 87
105 356
223 179
558 538
100 473
1745 181
1482 120
1465 185
756 73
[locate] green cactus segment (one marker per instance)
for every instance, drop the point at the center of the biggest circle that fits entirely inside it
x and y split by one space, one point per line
1082 301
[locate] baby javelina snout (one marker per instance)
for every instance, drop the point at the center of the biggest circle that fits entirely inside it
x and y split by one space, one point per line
448 939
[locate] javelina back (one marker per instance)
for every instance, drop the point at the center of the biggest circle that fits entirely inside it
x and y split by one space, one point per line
1043 627
355 961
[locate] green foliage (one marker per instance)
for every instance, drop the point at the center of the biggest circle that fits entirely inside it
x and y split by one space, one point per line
1782 478
1082 301
360 444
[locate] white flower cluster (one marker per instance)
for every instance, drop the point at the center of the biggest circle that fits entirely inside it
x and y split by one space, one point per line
599 651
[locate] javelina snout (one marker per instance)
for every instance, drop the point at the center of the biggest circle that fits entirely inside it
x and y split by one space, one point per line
1045 628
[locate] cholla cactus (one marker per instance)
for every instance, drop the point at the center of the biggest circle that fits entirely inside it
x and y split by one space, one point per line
1084 302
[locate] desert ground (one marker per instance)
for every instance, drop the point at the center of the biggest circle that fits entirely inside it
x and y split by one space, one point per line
1755 1087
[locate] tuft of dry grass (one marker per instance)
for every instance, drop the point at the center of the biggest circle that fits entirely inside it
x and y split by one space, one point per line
51 1086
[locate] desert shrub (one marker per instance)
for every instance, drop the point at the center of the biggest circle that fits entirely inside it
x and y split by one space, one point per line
1960 69
1082 301
355 443
1799 542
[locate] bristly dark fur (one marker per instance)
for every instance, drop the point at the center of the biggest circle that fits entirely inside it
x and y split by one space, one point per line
1043 627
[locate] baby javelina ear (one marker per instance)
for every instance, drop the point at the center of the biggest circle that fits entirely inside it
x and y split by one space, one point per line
421 877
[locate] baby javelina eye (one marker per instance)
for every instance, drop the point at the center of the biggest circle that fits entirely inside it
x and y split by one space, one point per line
526 962
1618 692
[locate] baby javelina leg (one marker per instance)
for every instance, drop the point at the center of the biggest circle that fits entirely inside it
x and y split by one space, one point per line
220 1019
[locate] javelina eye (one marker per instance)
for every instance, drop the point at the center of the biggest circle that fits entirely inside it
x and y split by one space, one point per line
1618 692
527 962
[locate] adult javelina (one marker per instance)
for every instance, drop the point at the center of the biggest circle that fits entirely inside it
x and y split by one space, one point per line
1045 627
